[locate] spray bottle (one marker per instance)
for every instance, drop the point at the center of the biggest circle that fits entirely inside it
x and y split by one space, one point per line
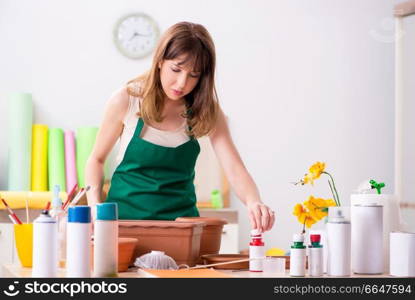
339 241
315 256
106 240
45 246
298 256
79 231
59 214
256 251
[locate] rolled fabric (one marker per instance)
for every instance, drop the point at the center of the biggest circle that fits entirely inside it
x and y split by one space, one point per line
56 159
85 140
39 158
70 160
20 117
36 200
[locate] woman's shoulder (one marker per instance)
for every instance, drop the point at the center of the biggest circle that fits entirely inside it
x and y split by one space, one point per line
134 87
119 99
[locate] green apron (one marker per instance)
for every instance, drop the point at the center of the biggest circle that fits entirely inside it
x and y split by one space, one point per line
154 182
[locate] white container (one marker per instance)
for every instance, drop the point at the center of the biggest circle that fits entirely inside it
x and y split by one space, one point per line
367 239
298 256
338 242
315 258
323 242
45 246
392 220
402 254
78 250
106 240
256 251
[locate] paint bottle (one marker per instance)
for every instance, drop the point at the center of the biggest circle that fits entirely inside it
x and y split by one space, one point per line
298 256
367 239
78 244
106 240
58 213
315 267
339 241
256 251
45 246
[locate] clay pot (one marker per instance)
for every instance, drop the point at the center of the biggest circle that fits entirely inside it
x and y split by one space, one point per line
179 240
211 234
126 247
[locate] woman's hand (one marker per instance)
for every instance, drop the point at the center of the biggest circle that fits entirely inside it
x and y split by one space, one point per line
261 216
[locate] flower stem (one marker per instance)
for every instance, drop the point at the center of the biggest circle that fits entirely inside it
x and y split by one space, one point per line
332 191
334 187
302 232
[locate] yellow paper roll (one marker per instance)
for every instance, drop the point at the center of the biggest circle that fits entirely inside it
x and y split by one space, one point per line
39 158
36 200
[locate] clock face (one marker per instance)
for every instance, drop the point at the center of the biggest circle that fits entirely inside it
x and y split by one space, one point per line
136 35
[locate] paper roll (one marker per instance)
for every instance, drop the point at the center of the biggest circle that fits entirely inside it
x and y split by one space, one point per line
85 140
39 158
20 117
367 239
392 220
56 161
70 161
402 254
36 200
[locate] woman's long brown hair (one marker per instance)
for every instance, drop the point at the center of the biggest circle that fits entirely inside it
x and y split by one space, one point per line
194 42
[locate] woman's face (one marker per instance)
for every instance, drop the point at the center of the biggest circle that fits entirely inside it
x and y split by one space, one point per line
177 79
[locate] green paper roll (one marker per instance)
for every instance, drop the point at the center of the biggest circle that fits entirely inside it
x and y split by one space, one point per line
20 117
56 159
39 158
85 140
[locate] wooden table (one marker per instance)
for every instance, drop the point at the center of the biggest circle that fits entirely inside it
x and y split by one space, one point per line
20 272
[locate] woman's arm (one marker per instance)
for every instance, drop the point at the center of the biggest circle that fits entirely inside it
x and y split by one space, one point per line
108 133
260 215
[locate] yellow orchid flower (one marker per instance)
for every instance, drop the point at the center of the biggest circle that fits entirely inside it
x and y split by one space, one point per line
303 216
317 207
317 169
314 172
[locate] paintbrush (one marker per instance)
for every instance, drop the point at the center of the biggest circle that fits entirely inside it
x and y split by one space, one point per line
79 196
70 196
11 213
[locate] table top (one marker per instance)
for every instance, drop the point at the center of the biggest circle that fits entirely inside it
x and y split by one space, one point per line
17 271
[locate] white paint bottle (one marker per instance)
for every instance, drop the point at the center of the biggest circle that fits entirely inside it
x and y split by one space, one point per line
78 244
367 239
297 256
106 240
315 267
256 251
45 246
339 241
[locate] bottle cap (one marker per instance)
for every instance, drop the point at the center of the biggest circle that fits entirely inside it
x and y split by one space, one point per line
298 238
107 211
79 214
315 238
256 232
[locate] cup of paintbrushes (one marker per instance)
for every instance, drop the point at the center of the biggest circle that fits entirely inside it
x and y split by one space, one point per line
23 235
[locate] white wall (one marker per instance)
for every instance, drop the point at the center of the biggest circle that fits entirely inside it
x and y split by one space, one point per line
300 81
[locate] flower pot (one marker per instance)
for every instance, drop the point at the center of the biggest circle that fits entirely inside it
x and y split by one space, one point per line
211 235
179 240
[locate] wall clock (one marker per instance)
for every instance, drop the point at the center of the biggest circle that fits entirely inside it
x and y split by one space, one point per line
136 35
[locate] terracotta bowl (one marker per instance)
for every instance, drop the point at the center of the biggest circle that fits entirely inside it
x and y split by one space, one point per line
211 234
219 258
126 247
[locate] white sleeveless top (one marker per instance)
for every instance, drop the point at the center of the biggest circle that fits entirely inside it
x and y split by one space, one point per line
159 137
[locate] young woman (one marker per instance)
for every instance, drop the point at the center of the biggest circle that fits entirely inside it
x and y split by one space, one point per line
158 117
